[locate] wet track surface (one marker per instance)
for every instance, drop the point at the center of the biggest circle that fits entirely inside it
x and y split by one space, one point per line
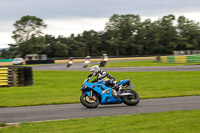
67 111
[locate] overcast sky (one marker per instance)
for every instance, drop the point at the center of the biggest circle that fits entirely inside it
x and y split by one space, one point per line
64 17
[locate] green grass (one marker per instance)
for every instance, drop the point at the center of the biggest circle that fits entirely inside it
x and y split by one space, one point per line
167 122
3 124
56 87
147 63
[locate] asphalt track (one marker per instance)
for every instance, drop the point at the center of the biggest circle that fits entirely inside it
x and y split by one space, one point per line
67 111
79 67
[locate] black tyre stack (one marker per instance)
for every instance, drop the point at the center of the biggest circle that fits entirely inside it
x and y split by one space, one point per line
10 77
16 76
28 76
20 76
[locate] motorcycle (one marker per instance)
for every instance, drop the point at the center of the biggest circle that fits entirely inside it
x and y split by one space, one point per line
70 62
94 94
104 60
102 63
85 63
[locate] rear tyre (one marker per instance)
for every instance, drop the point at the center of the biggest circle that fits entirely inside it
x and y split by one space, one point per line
132 99
84 66
88 102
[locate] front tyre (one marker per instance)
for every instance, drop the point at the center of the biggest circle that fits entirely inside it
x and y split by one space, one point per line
132 99
89 102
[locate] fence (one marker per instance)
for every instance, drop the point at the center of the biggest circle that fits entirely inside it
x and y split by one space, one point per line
6 60
186 52
40 62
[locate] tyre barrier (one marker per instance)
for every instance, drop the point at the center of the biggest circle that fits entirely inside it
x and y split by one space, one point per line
16 76
179 59
4 77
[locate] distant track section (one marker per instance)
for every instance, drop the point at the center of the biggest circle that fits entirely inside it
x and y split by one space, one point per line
78 67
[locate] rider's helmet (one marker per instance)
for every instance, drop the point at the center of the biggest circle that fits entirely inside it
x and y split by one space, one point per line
87 57
71 58
94 70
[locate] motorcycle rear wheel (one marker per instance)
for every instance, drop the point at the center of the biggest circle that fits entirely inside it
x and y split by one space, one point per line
85 100
131 100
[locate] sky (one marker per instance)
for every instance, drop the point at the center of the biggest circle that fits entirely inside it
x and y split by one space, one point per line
66 17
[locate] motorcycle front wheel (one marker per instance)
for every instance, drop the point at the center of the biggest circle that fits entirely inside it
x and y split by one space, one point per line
89 102
132 99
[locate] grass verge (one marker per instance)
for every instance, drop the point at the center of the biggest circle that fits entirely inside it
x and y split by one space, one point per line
147 63
167 122
56 87
3 124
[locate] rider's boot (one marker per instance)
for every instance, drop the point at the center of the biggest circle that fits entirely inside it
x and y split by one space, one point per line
116 88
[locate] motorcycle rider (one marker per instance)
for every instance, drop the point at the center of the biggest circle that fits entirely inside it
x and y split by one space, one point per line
103 61
86 62
96 71
70 62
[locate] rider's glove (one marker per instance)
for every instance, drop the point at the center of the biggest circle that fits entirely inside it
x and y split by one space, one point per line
90 75
95 80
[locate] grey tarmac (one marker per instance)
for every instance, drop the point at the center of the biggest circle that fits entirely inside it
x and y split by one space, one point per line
68 111
78 67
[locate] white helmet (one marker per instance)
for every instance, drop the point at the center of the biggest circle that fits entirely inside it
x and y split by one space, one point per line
94 69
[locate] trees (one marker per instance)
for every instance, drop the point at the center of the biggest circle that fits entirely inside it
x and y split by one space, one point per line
123 35
7 54
122 28
35 45
28 35
144 39
56 47
75 46
28 27
91 41
188 33
168 34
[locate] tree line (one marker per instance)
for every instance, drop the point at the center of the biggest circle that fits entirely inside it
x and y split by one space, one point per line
124 35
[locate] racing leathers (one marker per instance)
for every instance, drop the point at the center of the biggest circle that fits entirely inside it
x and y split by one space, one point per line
111 81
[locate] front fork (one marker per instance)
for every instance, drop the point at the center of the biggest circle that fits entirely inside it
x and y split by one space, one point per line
90 95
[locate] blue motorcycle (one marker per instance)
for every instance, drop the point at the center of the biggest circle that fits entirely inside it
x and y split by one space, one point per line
94 94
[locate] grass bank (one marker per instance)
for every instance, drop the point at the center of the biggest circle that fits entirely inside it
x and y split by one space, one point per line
167 122
56 87
146 63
